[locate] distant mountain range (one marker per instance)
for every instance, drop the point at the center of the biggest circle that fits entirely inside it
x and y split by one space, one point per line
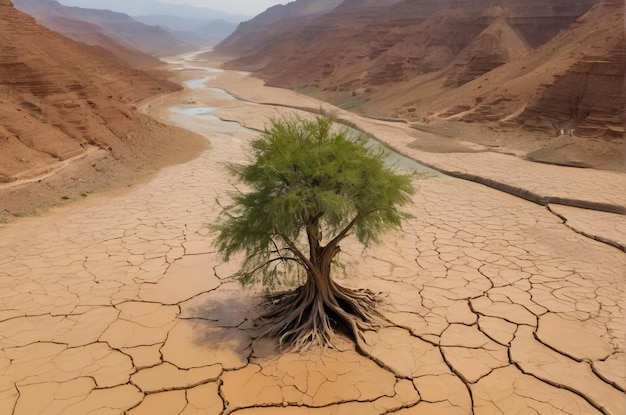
555 66
212 31
149 7
156 35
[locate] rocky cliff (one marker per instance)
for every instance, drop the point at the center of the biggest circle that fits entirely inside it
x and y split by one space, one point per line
498 44
93 35
390 41
587 97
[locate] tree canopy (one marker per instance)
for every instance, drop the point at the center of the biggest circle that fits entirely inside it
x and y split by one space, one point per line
308 186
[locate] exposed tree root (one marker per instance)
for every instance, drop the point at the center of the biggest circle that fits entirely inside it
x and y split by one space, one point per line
308 316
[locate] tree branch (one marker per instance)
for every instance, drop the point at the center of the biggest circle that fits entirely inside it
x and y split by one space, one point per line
294 249
271 261
347 229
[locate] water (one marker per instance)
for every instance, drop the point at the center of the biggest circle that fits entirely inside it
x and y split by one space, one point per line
205 113
198 112
200 83
403 163
394 159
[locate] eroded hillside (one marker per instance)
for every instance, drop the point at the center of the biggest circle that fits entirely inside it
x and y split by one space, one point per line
90 25
554 67
61 100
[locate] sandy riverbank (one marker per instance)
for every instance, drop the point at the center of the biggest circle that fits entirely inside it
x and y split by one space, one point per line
152 147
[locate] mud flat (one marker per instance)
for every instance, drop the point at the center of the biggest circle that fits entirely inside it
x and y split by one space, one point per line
120 305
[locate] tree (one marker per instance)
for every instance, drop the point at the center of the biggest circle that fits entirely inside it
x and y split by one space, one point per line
310 187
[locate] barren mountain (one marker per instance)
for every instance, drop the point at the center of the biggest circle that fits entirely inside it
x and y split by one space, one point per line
279 21
92 34
573 83
385 42
60 100
498 44
131 34
207 32
553 66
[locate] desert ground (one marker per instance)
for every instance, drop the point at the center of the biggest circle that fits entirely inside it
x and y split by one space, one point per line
505 293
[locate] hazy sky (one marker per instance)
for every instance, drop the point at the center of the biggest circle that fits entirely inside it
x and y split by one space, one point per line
245 7
142 7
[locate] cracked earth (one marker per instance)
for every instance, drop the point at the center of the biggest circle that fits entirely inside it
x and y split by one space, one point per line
119 305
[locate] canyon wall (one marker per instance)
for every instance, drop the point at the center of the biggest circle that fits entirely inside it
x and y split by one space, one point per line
553 66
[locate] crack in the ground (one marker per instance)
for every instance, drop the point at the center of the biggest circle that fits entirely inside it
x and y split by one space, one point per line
502 318
174 388
558 385
329 405
579 360
597 238
463 379
607 380
220 392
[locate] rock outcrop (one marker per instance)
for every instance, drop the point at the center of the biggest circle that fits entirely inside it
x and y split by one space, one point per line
571 85
587 98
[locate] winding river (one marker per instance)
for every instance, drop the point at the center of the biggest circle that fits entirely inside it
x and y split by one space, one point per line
203 102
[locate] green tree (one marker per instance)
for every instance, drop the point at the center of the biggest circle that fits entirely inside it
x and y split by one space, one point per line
309 187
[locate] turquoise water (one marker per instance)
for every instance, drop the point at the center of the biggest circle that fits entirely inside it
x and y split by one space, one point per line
198 112
394 159
199 83
205 113
403 163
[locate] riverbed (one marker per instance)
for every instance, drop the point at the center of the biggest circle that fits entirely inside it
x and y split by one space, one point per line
121 305
214 99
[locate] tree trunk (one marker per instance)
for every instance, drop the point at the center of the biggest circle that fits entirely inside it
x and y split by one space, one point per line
308 314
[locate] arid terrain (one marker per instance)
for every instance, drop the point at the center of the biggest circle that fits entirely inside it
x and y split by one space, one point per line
508 85
543 79
495 304
504 293
70 109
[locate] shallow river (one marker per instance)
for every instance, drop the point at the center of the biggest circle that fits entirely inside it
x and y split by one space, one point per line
215 124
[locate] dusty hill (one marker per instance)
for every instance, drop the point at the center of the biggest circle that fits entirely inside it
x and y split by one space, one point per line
92 34
498 44
61 100
367 42
553 67
573 83
277 21
70 21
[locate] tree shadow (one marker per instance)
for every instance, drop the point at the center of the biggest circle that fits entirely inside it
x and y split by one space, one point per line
231 320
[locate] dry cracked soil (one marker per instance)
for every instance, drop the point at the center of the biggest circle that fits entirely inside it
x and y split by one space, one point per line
494 306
